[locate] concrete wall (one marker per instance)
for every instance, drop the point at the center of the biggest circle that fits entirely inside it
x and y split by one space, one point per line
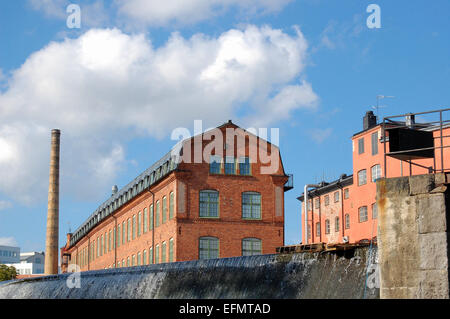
413 236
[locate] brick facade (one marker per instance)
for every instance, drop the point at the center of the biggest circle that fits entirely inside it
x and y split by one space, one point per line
186 226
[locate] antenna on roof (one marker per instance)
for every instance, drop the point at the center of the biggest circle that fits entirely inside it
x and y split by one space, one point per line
380 97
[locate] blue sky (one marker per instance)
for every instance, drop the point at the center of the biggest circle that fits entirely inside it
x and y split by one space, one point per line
311 68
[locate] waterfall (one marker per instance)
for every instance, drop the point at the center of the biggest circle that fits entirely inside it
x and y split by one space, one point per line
302 275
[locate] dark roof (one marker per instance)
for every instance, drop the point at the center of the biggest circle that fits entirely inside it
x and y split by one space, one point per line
325 188
150 176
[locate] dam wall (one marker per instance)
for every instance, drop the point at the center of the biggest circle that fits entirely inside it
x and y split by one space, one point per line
335 274
413 237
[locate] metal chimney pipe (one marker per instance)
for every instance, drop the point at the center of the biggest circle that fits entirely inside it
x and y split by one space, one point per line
305 192
51 242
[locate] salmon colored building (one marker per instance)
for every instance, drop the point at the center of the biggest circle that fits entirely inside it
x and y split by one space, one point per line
345 210
186 207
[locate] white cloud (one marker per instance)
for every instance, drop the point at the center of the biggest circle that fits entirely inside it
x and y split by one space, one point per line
163 13
320 135
5 204
155 13
106 87
8 241
93 14
51 8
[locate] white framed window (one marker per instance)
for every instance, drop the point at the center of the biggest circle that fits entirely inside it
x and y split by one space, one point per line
362 177
363 214
376 172
336 196
327 226
374 211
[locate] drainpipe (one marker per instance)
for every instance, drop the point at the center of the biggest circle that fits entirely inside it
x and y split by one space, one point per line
89 255
154 225
305 192
115 240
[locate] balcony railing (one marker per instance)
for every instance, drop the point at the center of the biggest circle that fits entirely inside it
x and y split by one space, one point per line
290 183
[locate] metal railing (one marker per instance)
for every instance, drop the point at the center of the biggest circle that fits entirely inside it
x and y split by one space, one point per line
410 122
290 183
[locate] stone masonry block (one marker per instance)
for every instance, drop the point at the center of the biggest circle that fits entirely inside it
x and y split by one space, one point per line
421 184
433 284
433 251
431 213
439 179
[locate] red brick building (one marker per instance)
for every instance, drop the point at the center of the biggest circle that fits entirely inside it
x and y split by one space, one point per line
183 208
345 210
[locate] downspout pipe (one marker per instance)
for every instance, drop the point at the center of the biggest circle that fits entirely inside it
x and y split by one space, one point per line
305 192
154 225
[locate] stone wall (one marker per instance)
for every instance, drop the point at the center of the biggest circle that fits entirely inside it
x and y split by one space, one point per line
413 236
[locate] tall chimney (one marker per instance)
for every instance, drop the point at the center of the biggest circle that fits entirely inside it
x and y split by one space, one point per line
51 242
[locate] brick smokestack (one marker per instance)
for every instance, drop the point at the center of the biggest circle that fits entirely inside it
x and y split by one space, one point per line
51 242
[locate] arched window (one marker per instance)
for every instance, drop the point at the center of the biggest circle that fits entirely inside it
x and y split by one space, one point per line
251 205
363 214
208 248
139 224
171 203
150 255
374 211
145 227
157 254
251 246
376 172
164 209
163 252
150 225
144 257
209 203
157 221
171 250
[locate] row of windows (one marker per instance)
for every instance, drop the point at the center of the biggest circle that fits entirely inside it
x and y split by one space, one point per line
209 204
8 253
374 140
136 225
208 248
336 198
230 165
127 231
375 172
163 253
362 217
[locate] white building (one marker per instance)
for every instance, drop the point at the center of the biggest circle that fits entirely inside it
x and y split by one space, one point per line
30 263
9 255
